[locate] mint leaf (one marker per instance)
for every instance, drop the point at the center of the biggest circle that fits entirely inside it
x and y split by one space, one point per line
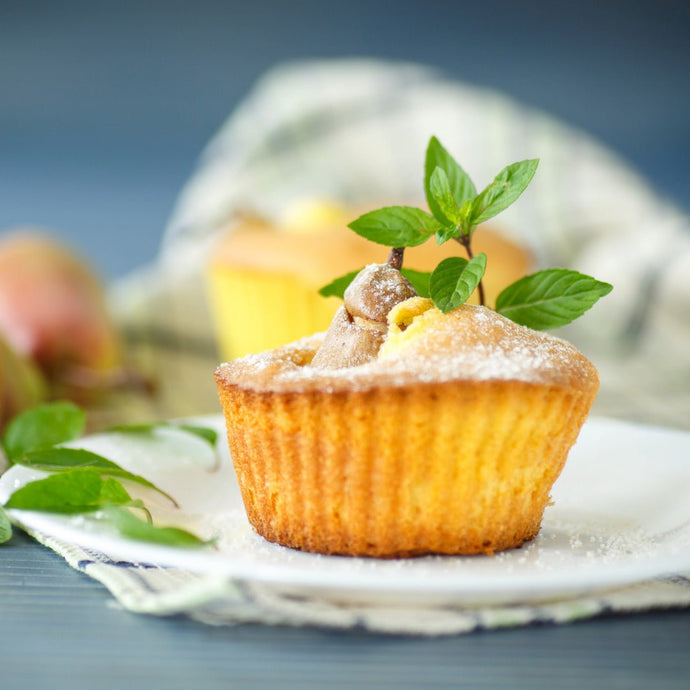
132 527
419 280
503 191
5 527
65 459
439 188
113 493
444 280
465 216
396 226
337 287
76 491
448 233
550 298
202 432
461 186
42 427
454 280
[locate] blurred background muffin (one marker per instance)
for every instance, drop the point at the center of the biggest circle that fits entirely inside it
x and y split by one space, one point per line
264 277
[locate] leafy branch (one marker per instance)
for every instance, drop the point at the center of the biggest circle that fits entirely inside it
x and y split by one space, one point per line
82 481
545 299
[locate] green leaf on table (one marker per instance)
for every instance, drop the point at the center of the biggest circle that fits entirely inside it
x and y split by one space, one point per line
64 459
396 226
461 186
42 427
455 279
550 298
132 527
113 493
75 491
204 433
5 527
506 187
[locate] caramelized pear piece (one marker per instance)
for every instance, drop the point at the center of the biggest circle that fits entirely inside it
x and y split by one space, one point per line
375 291
359 327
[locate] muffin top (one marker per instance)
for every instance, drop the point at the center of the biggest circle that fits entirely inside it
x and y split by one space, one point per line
424 345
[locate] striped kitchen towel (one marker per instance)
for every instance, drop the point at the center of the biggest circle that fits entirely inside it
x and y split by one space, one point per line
355 131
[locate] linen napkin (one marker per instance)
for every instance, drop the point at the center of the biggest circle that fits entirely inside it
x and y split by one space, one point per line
153 589
355 131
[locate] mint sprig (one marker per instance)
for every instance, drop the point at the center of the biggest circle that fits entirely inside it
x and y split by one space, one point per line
66 459
546 299
82 481
84 490
452 196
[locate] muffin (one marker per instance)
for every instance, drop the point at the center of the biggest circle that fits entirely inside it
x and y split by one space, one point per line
444 438
263 277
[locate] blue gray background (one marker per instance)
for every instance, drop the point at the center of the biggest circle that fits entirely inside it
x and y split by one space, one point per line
104 106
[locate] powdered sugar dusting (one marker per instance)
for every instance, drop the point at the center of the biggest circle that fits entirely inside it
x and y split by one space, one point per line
569 543
470 343
375 291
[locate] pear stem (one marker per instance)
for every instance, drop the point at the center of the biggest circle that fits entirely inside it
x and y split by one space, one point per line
395 258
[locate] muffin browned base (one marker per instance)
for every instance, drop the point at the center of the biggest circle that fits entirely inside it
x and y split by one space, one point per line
446 468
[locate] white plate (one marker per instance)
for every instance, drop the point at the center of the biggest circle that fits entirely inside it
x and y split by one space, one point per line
621 515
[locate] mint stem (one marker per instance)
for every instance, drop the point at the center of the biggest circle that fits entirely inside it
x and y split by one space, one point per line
464 240
395 258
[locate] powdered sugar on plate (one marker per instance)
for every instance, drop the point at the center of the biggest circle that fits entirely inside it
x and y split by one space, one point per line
620 515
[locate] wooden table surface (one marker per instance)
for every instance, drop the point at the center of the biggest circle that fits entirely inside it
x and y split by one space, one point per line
60 629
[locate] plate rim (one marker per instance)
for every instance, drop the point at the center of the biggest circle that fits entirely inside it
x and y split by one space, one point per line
512 587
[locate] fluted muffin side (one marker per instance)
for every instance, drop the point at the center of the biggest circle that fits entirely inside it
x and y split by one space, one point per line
460 467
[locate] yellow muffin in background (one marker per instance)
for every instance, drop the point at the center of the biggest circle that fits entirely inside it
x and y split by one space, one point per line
263 278
447 442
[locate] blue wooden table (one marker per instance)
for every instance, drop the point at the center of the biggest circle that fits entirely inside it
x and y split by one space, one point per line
104 107
60 630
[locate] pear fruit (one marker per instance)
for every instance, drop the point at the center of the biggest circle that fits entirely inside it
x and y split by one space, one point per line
53 311
359 327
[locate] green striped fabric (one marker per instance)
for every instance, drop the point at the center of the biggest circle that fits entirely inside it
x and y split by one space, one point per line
355 131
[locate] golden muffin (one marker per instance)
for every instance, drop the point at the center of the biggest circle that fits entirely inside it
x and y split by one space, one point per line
263 278
447 439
